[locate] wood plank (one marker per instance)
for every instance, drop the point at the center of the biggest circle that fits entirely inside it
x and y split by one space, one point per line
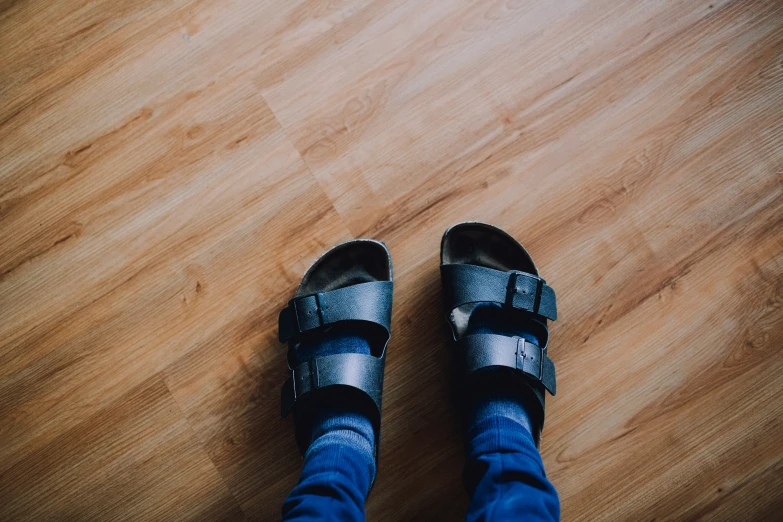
134 459
168 170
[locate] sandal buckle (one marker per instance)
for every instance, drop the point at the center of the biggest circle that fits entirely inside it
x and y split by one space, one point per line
305 378
293 386
530 359
314 377
308 312
520 293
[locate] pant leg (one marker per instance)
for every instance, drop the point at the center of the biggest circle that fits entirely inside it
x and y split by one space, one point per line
335 479
505 476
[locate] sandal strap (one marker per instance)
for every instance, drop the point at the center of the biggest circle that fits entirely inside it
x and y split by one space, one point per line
361 371
361 302
463 284
486 350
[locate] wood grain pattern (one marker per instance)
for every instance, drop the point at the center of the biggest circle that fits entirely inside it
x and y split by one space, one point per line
168 170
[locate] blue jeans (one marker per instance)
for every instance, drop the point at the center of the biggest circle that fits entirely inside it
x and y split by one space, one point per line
504 476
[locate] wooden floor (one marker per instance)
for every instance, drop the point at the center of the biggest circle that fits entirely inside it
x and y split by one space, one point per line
169 169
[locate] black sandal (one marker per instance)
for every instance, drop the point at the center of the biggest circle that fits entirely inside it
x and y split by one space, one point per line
351 282
482 264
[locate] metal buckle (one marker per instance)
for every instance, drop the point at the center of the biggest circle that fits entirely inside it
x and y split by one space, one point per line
293 385
312 368
522 355
318 309
511 287
512 290
314 377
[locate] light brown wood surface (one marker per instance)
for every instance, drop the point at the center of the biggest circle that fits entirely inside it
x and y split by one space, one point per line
169 169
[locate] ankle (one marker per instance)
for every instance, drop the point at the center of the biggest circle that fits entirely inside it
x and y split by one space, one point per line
350 425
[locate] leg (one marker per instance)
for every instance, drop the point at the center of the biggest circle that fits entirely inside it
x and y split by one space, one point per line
339 463
498 309
504 474
337 328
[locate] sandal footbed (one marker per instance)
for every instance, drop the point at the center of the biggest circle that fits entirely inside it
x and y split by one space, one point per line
353 262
